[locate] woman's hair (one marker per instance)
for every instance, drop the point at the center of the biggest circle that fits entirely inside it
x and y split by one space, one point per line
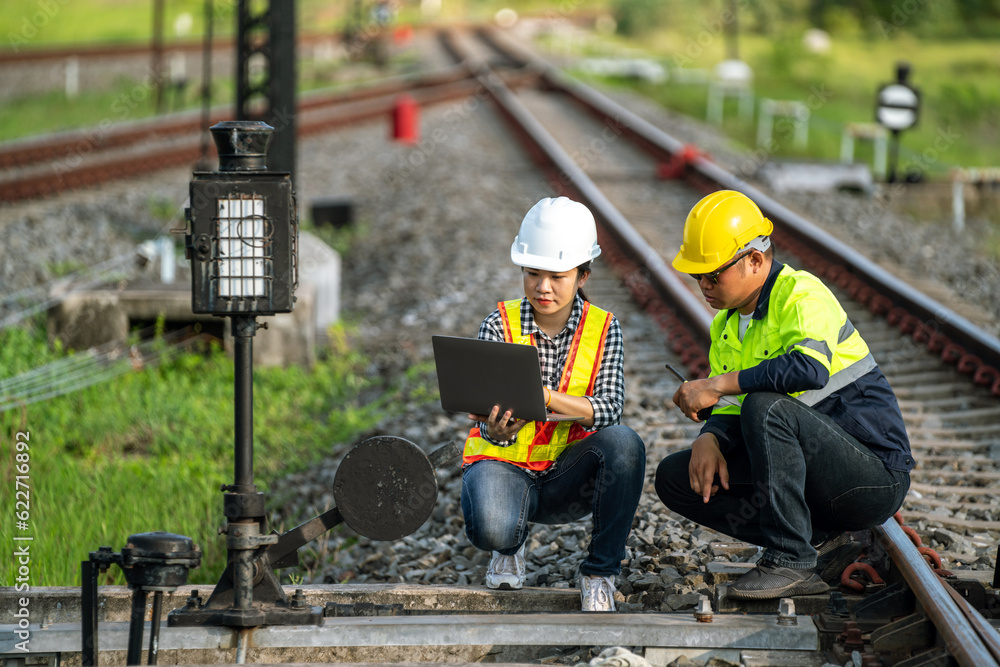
583 268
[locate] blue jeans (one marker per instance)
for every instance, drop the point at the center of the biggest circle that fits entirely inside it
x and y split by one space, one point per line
799 480
600 475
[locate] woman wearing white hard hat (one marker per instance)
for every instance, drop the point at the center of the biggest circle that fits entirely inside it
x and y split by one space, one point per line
517 472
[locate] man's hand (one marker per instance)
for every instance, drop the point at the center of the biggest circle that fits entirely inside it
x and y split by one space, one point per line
706 461
500 427
694 396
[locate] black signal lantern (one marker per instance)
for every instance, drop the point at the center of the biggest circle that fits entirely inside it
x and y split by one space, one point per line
242 245
243 229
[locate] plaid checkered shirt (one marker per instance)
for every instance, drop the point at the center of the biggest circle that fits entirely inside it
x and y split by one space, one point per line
608 398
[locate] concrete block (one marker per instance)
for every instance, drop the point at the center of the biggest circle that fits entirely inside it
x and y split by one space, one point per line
718 572
319 271
816 177
290 338
336 211
89 318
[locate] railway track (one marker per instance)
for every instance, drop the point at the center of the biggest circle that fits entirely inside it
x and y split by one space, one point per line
943 367
938 364
52 164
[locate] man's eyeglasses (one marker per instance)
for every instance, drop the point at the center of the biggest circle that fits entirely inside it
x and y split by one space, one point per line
713 277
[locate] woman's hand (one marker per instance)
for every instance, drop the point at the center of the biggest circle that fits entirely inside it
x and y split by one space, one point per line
500 427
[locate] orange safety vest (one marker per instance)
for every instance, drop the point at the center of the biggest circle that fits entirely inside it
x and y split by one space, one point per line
539 444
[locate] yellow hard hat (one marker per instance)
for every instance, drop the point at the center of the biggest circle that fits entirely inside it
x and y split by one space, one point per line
717 228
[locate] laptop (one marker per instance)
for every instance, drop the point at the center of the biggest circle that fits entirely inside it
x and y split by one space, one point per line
474 375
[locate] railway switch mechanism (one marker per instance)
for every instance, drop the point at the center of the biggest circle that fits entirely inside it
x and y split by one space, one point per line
241 239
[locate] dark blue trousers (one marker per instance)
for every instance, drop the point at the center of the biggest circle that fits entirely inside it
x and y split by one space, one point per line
799 480
600 475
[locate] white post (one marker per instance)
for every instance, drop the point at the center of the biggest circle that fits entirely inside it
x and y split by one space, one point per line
715 98
847 146
746 105
178 67
72 77
801 125
168 261
879 160
765 123
958 199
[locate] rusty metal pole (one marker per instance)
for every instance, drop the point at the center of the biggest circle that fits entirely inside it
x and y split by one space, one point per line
206 85
158 53
135 628
154 629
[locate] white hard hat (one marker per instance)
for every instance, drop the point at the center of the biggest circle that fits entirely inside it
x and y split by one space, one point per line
556 235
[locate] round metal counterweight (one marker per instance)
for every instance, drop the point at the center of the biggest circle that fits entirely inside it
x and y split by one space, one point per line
385 488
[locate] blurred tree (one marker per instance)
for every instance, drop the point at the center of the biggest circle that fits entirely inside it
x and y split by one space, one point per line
939 18
635 17
981 17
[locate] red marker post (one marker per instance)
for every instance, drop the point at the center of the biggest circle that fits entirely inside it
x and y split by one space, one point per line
406 120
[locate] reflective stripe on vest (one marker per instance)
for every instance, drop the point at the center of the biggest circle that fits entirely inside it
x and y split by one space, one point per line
844 352
539 444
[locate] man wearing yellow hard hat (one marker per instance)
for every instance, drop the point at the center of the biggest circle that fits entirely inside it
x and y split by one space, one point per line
810 443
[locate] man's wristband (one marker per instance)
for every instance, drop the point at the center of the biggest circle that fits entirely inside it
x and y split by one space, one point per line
548 392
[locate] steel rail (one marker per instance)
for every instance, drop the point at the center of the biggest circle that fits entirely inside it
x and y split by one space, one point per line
989 634
76 144
188 150
978 352
572 176
962 637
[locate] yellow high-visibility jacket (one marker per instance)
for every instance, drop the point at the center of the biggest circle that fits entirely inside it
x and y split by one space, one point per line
538 444
797 313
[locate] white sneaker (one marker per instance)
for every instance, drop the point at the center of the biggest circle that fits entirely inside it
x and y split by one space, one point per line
597 593
506 572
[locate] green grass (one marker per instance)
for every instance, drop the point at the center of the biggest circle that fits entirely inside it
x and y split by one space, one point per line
28 24
149 450
99 111
33 114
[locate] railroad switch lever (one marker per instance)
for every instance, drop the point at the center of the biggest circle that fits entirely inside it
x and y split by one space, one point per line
156 562
385 471
385 489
